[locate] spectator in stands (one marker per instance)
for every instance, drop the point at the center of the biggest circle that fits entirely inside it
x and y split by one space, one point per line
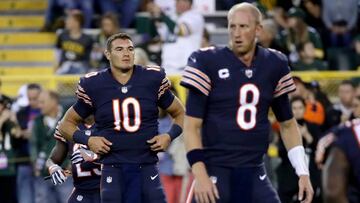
299 32
74 46
21 99
7 159
5 97
141 57
307 60
346 94
109 25
314 110
181 37
42 142
355 54
268 35
126 8
312 9
25 117
340 18
288 185
58 8
6 113
205 40
332 116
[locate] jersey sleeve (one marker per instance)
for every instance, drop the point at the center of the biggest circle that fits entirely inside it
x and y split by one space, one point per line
282 108
84 104
195 76
196 104
285 83
165 96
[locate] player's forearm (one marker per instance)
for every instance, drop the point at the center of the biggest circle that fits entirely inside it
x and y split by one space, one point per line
68 124
178 113
67 129
57 154
192 135
290 134
50 162
199 170
194 145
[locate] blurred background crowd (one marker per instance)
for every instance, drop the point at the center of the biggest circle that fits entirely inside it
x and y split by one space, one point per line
47 44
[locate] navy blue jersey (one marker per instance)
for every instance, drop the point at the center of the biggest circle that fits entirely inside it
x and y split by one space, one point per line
126 114
86 175
348 140
235 131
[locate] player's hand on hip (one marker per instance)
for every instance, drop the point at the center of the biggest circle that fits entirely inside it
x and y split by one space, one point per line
205 190
159 142
306 191
99 145
58 176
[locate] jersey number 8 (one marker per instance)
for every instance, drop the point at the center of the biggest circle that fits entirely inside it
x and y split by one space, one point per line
247 106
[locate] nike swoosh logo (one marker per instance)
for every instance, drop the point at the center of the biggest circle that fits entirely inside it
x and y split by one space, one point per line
193 59
153 177
262 177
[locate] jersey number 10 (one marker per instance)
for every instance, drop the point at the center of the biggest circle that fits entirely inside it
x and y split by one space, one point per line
123 108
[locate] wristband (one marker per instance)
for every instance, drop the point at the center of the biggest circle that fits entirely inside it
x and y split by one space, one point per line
81 137
174 131
298 160
195 155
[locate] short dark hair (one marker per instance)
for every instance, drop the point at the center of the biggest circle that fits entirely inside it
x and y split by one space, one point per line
78 16
113 37
33 86
348 82
112 17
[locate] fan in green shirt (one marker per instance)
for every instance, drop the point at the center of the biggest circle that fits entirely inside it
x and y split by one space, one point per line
307 60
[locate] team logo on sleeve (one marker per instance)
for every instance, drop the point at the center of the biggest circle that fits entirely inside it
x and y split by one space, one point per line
224 73
248 73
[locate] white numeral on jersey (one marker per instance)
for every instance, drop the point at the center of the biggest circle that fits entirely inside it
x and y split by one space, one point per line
79 171
82 173
125 105
249 106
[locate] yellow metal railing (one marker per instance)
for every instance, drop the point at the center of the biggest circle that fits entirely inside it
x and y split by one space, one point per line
66 85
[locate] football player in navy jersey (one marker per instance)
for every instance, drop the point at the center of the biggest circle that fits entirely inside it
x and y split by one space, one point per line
226 126
341 172
86 174
124 100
